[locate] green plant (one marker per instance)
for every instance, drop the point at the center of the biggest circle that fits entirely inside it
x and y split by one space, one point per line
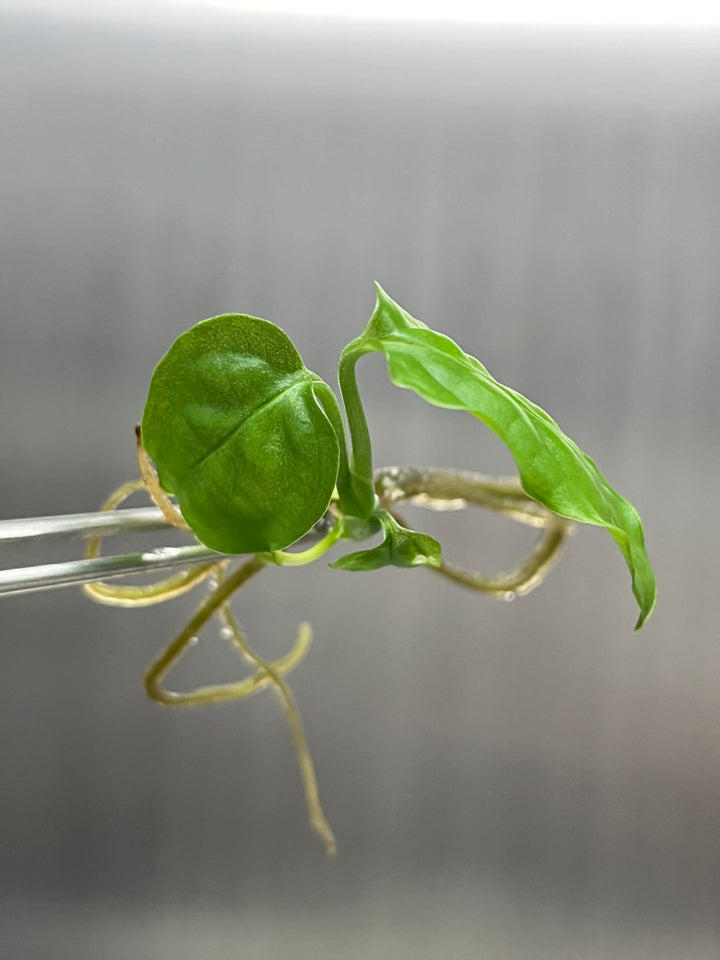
252 446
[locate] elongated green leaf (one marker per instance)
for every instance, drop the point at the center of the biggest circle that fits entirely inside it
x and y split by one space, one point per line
553 470
400 548
237 434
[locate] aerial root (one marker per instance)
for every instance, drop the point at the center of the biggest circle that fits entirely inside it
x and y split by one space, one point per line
142 595
267 674
437 489
152 485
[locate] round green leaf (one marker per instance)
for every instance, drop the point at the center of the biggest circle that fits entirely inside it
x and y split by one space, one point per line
237 434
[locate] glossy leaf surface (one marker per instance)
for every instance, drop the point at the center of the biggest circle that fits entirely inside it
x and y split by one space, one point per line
400 548
553 470
237 434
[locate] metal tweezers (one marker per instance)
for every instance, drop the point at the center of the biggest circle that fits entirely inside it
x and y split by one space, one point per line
434 487
47 576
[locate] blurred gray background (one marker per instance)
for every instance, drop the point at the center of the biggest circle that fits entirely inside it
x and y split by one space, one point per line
525 780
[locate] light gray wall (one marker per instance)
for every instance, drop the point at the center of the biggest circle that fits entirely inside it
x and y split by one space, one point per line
506 780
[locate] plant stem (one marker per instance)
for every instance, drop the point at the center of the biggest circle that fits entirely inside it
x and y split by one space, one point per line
330 405
361 470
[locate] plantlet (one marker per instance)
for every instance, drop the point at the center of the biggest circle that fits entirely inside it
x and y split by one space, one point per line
252 447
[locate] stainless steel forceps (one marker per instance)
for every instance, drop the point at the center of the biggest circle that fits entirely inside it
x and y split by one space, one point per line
84 525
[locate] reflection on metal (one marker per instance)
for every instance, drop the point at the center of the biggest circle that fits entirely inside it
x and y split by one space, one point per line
81 525
70 573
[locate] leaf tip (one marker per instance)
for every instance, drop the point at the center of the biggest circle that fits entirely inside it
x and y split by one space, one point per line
380 295
645 612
